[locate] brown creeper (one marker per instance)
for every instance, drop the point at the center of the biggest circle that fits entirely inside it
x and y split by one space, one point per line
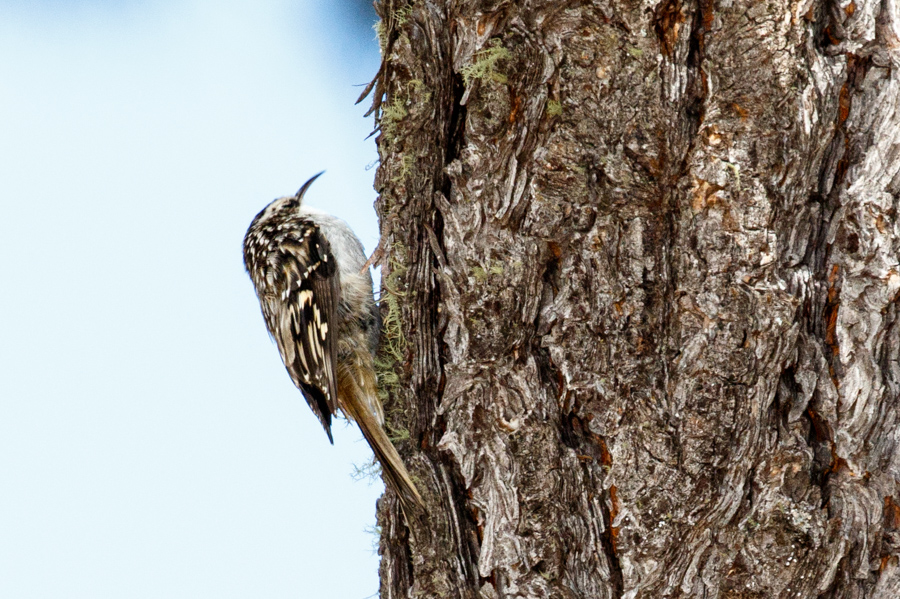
316 299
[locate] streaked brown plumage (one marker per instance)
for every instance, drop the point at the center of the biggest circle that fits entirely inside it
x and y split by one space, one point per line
318 306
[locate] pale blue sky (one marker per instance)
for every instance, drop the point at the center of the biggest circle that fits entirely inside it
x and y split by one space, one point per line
151 444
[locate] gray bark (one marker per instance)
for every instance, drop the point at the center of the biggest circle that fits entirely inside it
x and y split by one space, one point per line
644 258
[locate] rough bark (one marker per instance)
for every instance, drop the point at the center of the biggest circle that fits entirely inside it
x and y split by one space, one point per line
644 258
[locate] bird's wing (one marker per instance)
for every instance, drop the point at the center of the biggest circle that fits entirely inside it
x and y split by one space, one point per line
306 327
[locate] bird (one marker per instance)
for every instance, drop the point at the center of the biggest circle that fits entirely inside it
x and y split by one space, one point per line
309 272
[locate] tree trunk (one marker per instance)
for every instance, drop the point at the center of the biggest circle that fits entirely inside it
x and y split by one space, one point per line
641 297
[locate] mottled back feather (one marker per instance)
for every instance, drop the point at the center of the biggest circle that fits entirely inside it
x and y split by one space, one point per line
317 301
290 263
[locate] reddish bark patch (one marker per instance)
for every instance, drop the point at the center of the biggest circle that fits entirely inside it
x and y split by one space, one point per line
832 38
706 12
741 112
891 514
605 456
516 106
613 512
555 249
666 23
844 104
837 462
832 305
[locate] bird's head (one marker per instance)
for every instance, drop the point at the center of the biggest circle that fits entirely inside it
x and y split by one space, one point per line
287 203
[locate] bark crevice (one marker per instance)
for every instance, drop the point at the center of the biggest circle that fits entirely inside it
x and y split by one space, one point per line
650 291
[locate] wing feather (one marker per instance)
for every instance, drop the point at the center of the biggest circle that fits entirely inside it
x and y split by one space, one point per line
306 324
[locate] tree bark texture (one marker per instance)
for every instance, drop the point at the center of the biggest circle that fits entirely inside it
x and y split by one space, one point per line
643 265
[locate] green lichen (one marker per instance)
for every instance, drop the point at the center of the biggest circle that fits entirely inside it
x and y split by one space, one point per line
392 351
396 433
401 15
369 471
417 91
393 342
381 35
484 64
634 51
554 108
406 163
375 534
391 115
383 28
481 275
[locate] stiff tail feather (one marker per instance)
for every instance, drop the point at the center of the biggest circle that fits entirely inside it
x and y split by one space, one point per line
391 465
355 405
